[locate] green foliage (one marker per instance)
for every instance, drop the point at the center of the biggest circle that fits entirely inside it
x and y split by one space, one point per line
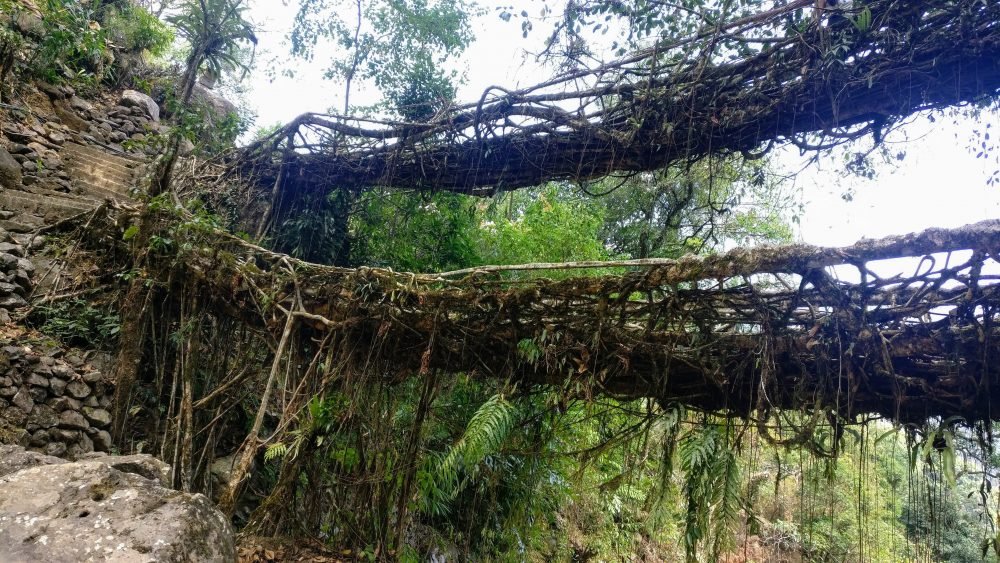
73 46
133 29
712 204
317 230
275 451
77 322
948 520
412 232
712 487
550 224
487 430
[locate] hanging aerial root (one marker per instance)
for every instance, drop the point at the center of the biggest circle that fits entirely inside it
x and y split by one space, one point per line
844 330
817 84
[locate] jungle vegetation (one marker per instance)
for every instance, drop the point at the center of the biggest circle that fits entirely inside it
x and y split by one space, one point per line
405 466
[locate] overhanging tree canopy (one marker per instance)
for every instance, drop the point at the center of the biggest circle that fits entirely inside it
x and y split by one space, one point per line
733 88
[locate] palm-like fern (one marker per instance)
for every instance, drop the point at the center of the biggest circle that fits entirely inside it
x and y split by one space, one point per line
712 487
216 29
440 482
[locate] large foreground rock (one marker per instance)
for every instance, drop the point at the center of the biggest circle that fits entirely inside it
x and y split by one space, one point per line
90 511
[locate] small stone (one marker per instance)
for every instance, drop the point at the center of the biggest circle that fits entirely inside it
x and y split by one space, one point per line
41 150
44 416
86 444
98 417
102 441
23 400
12 302
93 376
52 162
91 402
26 265
8 392
15 132
15 416
39 438
7 261
62 370
23 279
61 404
64 435
56 386
37 379
39 394
186 147
78 389
10 170
148 107
55 449
72 420
52 90
9 288
56 137
4 317
6 381
14 249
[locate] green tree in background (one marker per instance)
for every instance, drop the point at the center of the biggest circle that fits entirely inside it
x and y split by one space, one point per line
401 47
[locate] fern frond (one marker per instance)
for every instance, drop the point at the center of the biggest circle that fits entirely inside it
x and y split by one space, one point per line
483 436
275 451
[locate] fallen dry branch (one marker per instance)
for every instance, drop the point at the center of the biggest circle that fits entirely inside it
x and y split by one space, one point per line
817 84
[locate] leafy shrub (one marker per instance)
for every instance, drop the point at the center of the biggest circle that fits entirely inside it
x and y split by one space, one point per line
78 323
73 45
135 30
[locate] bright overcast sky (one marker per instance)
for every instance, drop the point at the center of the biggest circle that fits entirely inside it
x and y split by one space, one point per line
940 183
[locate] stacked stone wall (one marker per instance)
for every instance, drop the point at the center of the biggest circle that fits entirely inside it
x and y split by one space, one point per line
52 402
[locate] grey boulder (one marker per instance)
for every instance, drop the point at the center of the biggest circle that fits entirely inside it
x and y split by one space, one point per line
135 98
90 511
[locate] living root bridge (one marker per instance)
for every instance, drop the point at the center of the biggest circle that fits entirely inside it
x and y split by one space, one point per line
817 84
764 328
